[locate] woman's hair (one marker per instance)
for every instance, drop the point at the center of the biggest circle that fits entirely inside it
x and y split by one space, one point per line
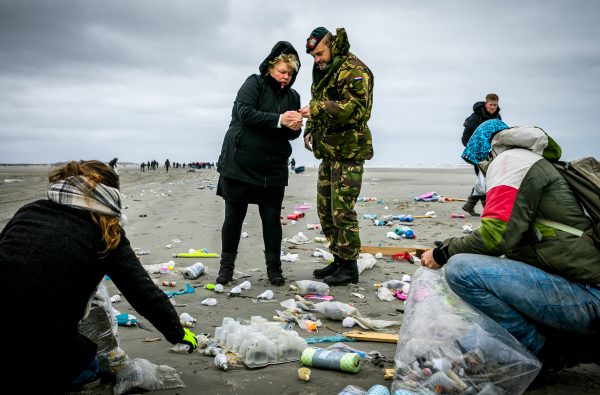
95 172
290 59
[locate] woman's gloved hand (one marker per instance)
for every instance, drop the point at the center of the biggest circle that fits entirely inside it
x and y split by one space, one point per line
190 339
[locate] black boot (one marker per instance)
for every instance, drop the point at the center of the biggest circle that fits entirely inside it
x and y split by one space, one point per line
227 266
274 268
329 269
346 273
483 201
469 206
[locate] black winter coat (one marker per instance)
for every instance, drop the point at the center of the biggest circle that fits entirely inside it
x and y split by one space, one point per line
51 266
479 116
254 149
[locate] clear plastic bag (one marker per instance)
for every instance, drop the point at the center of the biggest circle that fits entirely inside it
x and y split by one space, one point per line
336 310
140 373
449 346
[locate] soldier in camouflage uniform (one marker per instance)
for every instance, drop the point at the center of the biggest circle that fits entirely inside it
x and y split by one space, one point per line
337 133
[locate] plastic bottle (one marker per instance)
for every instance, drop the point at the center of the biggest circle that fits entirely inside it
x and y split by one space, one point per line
404 218
335 360
370 216
209 302
221 362
405 232
312 287
457 215
194 271
379 222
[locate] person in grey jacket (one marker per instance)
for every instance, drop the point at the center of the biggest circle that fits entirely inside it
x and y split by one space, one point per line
254 157
532 265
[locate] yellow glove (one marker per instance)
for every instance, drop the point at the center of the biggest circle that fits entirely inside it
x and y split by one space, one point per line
190 339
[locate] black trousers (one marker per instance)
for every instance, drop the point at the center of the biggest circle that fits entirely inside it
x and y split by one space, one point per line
235 212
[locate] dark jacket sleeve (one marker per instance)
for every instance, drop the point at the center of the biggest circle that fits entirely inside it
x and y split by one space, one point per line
145 297
247 101
470 125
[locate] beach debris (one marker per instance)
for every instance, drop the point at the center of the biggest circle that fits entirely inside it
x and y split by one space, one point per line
366 199
194 271
403 256
327 359
385 294
267 295
115 298
169 283
369 216
428 197
467 228
300 238
393 235
289 257
348 322
304 374
188 289
453 215
141 374
360 296
244 235
197 253
365 261
379 255
126 319
320 239
304 287
151 339
215 287
187 320
209 302
314 226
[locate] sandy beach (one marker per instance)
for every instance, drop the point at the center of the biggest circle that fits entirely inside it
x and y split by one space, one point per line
170 213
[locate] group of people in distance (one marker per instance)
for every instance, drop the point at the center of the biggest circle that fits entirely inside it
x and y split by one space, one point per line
541 284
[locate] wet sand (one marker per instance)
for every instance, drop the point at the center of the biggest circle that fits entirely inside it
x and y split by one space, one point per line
180 209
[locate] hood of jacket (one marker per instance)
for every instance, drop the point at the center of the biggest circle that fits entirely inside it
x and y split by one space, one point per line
282 47
493 137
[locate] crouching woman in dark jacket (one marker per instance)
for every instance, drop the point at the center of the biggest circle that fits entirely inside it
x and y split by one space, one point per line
53 254
254 156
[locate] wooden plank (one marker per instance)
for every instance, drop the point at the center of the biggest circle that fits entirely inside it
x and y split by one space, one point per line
389 251
371 336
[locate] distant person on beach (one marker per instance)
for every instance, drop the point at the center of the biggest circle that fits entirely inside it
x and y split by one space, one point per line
292 164
113 164
54 253
337 133
482 111
167 165
253 161
540 281
143 166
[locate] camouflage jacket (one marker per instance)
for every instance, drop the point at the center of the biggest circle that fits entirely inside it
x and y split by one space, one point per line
340 106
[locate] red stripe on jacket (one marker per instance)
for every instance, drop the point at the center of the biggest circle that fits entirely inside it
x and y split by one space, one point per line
500 202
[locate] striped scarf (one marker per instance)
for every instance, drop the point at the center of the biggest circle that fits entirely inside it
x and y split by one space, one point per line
76 192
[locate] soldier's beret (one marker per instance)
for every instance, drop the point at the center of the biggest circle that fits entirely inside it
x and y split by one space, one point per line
315 38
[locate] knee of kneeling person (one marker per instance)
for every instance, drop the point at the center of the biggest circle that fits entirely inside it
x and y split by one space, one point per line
457 268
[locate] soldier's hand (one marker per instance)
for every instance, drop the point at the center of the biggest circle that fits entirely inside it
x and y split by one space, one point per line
305 112
308 142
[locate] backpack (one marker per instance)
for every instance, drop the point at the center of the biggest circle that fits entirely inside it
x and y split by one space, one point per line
583 176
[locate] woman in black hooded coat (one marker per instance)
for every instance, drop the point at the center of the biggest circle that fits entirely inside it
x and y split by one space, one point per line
253 161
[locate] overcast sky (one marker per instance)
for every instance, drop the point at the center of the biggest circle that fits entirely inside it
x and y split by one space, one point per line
149 79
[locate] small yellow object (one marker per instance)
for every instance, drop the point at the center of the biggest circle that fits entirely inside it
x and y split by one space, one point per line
304 374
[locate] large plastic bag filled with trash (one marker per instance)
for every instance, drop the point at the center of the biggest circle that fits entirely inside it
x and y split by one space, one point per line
447 346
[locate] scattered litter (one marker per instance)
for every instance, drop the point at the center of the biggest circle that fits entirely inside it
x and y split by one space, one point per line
194 271
268 295
348 322
457 215
304 287
365 261
188 289
115 298
244 234
221 362
320 239
209 302
329 339
379 255
385 294
289 257
428 197
186 318
313 226
336 360
199 253
360 296
141 374
151 339
304 374
300 238
467 228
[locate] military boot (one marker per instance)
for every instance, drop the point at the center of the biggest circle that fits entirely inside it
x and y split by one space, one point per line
327 270
469 206
346 273
274 268
227 266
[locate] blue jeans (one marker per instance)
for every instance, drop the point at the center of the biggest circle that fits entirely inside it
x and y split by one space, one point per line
519 297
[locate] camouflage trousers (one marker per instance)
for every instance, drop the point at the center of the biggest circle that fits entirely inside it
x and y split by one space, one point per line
338 188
